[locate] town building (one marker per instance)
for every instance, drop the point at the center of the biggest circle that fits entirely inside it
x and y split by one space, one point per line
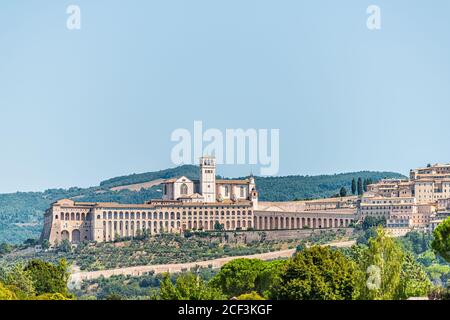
409 204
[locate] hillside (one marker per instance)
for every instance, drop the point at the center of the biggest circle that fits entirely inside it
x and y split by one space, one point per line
189 171
21 213
312 187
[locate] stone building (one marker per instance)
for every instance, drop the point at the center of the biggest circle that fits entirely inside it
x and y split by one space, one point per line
191 205
409 203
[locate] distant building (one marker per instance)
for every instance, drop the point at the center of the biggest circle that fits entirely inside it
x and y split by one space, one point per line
412 203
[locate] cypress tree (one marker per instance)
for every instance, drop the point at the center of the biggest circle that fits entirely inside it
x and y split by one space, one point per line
353 186
360 186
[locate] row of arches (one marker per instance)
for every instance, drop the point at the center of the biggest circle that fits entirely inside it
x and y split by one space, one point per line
166 215
269 223
74 216
74 236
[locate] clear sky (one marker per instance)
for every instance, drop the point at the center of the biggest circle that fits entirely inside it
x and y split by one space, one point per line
80 106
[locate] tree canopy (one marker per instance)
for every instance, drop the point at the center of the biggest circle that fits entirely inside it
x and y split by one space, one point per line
441 242
318 273
187 286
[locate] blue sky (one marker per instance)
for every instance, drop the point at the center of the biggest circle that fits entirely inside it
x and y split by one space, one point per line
80 106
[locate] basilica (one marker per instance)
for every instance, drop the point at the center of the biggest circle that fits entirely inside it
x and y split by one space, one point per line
204 204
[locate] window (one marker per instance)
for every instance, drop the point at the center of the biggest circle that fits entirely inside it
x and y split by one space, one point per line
227 191
184 189
242 192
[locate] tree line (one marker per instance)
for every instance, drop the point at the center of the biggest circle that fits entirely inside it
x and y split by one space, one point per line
379 270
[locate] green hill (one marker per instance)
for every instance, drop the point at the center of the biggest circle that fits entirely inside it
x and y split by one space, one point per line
312 187
21 213
189 171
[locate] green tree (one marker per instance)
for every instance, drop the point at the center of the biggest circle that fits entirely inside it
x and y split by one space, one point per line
114 296
6 294
5 248
65 246
382 263
360 187
343 192
48 278
318 273
19 281
218 226
250 296
187 286
370 222
269 276
52 296
353 186
441 241
45 244
414 280
238 276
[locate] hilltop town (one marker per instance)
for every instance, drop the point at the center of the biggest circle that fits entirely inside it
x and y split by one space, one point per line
208 204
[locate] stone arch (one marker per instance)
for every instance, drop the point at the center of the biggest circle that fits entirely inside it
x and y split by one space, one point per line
76 236
65 235
108 231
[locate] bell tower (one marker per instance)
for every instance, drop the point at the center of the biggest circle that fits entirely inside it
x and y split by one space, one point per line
208 179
